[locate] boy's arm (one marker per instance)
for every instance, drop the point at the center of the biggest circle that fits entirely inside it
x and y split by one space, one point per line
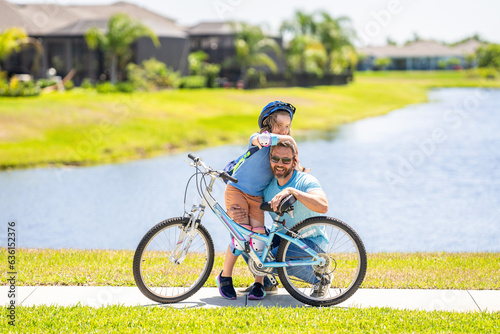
271 139
298 167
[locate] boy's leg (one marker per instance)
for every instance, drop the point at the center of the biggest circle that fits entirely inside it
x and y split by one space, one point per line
229 262
224 279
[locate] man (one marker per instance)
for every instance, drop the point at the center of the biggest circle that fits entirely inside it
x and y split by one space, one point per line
311 199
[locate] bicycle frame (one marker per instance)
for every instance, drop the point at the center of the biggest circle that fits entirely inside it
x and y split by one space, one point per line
239 233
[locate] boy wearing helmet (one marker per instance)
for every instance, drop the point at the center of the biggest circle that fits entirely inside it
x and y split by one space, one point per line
253 177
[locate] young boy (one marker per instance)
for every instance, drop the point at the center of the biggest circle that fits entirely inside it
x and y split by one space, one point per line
253 177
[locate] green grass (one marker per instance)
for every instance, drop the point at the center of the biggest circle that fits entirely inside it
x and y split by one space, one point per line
477 271
82 127
385 270
119 319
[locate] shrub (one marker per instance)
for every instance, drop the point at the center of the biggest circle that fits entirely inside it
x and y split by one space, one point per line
489 56
159 74
152 74
125 87
488 72
211 73
483 73
382 63
69 85
193 81
87 83
138 77
198 66
46 82
15 87
106 87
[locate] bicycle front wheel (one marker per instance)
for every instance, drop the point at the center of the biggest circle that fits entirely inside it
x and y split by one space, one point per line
345 262
162 272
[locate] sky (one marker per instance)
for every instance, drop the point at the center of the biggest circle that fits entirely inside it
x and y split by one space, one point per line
373 20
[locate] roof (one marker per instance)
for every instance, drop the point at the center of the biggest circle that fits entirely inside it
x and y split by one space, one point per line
225 28
421 49
469 47
54 19
212 28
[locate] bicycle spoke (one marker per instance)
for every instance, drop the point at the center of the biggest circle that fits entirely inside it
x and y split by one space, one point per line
166 281
344 262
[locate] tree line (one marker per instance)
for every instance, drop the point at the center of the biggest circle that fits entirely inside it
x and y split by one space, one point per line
314 43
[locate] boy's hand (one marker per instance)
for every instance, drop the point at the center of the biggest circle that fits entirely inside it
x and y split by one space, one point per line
299 167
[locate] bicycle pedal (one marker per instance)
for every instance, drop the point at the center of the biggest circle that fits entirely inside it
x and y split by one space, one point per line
272 279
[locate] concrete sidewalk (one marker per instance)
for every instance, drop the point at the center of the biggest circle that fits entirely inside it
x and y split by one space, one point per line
428 300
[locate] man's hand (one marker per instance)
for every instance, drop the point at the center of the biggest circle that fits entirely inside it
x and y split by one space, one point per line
275 202
314 200
237 213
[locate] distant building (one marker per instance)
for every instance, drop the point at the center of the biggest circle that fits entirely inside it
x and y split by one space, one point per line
61 30
420 55
217 40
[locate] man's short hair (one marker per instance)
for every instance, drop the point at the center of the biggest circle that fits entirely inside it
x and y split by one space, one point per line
285 143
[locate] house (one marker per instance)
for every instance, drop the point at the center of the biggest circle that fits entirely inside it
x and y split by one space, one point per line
419 55
217 40
61 29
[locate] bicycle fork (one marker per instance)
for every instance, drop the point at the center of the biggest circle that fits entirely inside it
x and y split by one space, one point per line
189 231
187 235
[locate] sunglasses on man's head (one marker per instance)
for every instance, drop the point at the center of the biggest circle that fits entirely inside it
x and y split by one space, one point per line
286 161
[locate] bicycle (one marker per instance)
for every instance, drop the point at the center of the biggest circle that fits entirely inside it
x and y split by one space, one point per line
321 261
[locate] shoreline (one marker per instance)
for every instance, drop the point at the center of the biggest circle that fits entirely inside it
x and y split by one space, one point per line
79 129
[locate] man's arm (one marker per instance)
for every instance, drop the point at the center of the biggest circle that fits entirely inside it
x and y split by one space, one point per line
314 200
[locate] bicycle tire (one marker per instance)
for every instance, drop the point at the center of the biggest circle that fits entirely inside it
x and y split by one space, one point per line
159 278
346 262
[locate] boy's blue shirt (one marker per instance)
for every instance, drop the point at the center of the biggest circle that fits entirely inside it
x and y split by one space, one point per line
255 173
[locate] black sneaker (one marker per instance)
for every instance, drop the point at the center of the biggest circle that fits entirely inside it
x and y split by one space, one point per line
270 290
225 285
257 292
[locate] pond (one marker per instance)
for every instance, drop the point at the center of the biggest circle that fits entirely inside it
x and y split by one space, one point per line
422 178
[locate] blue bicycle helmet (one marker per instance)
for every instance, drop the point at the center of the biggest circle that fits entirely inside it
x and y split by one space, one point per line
275 106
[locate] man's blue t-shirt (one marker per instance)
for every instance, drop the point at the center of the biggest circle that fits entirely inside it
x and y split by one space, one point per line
301 181
255 173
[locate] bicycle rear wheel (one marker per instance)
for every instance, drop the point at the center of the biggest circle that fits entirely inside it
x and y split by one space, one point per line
158 275
345 266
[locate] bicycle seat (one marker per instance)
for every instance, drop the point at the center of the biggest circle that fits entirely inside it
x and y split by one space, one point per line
286 205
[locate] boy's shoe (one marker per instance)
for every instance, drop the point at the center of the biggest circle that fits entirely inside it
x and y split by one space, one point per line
270 290
225 285
257 292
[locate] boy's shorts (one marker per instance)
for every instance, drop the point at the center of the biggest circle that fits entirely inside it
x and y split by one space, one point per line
233 195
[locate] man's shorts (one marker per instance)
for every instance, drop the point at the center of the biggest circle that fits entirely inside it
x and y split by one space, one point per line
250 203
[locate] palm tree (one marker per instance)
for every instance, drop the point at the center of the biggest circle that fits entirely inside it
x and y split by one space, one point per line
301 24
251 49
336 35
117 41
13 39
306 54
303 28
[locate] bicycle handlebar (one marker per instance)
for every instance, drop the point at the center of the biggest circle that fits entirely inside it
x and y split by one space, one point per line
226 176
222 174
